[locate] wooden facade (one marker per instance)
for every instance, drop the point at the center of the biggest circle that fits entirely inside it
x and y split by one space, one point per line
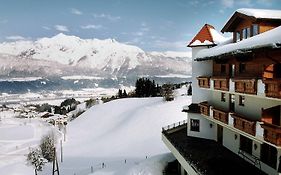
272 133
272 88
220 115
221 83
204 108
247 86
244 124
203 82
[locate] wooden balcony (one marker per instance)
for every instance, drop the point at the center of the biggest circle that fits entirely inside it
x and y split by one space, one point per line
203 81
246 86
272 124
244 124
221 83
272 133
272 88
204 108
220 115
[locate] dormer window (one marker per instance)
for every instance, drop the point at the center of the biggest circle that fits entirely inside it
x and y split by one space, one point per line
255 28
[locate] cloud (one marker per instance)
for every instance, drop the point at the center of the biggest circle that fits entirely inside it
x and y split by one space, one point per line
138 33
227 3
107 16
3 21
61 28
15 37
76 11
163 44
92 26
232 3
46 28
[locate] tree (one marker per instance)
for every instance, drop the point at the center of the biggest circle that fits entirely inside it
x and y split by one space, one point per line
35 158
125 94
167 92
189 91
47 145
120 94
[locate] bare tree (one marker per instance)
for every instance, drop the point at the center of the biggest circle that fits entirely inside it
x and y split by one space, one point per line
47 145
36 159
167 92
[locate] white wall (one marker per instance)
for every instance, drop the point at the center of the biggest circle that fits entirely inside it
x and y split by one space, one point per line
206 131
229 140
253 105
200 68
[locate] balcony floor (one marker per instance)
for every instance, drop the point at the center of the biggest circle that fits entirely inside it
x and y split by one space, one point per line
209 157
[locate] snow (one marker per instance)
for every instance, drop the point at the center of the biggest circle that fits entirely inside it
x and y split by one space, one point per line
199 43
81 77
173 75
172 54
125 129
20 79
217 37
266 39
261 13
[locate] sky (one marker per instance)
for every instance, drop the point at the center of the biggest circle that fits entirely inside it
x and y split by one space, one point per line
153 25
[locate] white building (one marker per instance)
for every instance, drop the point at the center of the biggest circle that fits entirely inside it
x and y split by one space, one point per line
234 123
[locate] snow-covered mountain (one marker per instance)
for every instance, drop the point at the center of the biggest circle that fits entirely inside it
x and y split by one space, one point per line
69 55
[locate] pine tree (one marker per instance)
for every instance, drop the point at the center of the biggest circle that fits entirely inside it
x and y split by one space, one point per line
120 94
125 93
189 91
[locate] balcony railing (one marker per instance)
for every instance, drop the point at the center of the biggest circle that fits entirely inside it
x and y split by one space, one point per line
203 82
272 133
221 83
244 124
272 88
220 115
246 86
204 108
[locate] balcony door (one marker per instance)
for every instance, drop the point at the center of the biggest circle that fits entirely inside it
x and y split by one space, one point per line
232 70
219 134
231 102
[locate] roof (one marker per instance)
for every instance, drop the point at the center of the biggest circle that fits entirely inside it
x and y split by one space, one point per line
208 156
207 36
252 15
269 39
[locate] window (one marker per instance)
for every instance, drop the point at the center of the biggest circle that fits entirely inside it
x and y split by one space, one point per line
255 28
242 67
269 155
223 69
246 144
238 36
246 33
223 97
241 100
194 125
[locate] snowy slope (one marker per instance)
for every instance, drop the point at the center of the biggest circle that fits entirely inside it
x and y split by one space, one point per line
131 129
104 55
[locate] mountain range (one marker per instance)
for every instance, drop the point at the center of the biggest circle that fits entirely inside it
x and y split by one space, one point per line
64 55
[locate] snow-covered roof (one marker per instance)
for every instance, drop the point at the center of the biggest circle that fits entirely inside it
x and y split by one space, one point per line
261 13
207 36
271 39
252 15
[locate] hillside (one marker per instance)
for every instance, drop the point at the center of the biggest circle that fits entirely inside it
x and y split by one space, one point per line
130 130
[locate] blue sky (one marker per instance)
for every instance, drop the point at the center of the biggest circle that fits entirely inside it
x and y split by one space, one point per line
158 25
